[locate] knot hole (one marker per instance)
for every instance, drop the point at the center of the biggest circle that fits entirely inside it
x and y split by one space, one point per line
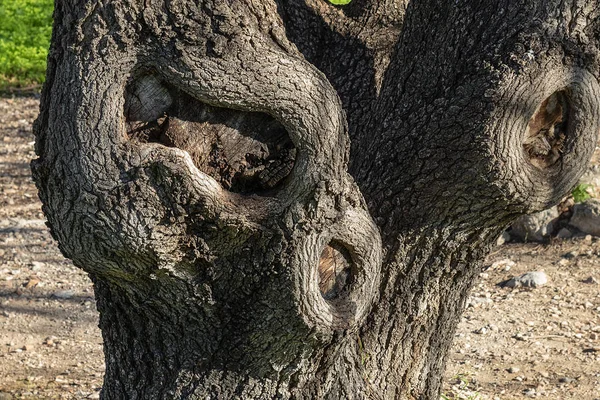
547 131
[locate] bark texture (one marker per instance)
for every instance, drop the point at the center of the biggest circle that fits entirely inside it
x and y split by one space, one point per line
291 200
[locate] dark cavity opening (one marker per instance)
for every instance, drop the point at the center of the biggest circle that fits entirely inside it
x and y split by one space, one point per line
547 130
335 271
246 152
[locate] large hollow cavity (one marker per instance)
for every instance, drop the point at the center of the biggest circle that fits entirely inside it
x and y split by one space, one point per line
246 152
547 130
336 273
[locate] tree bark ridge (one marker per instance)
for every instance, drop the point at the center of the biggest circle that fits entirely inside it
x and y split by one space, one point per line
420 107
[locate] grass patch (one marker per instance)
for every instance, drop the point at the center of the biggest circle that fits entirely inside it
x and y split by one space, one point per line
25 29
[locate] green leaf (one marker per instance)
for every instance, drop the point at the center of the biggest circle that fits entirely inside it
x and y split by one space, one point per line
580 192
340 2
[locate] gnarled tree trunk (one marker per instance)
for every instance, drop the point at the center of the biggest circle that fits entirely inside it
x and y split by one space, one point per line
288 199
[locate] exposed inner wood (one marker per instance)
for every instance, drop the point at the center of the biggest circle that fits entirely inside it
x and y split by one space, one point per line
245 152
335 272
547 130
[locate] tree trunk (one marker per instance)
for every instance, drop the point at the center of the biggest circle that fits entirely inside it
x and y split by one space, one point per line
287 199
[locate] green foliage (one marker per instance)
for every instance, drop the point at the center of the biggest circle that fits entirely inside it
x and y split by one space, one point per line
340 2
581 192
25 29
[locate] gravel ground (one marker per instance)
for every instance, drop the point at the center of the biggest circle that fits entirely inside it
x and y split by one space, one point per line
511 344
50 345
532 342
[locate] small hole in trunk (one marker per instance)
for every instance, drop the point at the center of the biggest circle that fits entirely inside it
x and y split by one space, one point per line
335 271
246 152
547 130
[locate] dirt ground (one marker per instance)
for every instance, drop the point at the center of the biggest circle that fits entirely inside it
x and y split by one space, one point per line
511 343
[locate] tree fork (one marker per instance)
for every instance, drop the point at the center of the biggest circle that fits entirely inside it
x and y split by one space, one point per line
292 200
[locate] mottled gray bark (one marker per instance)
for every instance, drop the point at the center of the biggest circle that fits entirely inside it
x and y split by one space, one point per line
286 199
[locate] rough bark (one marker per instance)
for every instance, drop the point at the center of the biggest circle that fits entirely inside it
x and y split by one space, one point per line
286 199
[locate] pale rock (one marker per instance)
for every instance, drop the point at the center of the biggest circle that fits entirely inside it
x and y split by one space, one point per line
36 265
481 331
504 264
505 237
564 233
529 279
586 217
64 294
534 227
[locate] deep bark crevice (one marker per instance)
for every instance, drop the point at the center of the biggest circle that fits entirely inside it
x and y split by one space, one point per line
246 152
547 130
